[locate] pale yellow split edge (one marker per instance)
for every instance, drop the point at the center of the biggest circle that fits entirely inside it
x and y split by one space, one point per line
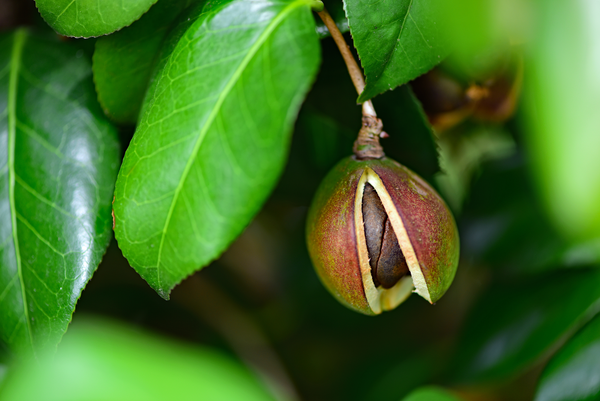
363 255
381 299
394 296
403 240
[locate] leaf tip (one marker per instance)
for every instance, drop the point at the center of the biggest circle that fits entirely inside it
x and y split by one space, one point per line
164 294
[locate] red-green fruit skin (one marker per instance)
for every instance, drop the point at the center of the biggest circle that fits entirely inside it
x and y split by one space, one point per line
428 222
331 235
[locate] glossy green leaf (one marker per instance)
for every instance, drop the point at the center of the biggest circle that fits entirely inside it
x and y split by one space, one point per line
103 361
87 18
396 40
573 374
123 62
431 393
58 163
513 325
213 134
563 102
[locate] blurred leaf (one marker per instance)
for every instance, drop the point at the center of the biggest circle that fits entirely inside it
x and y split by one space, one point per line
573 374
3 371
503 225
461 153
481 31
513 325
123 62
406 374
396 41
103 361
430 393
208 151
563 104
87 18
58 162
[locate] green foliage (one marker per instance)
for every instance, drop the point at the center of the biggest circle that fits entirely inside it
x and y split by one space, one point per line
210 91
430 394
572 372
512 326
102 360
396 41
87 18
123 62
519 240
563 100
206 152
58 164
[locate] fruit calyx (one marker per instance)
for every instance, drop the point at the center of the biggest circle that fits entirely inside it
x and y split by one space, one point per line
367 144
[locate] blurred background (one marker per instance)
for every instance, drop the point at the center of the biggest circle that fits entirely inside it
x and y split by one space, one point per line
507 129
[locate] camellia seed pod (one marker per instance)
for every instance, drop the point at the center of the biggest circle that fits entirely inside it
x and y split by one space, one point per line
376 232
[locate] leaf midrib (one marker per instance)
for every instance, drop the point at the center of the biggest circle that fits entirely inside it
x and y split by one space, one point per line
20 37
235 77
391 55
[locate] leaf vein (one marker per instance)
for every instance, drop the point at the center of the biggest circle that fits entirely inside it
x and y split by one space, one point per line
421 33
8 286
391 55
20 38
201 135
23 220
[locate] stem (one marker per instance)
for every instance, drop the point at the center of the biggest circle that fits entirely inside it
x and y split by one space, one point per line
367 144
353 69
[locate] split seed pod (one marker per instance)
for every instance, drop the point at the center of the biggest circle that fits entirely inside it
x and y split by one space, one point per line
376 232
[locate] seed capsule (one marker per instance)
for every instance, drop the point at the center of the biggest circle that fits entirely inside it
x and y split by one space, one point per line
387 262
376 231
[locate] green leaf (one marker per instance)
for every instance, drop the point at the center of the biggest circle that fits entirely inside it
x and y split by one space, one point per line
58 162
513 325
101 360
430 393
213 134
123 62
396 40
87 18
573 373
563 102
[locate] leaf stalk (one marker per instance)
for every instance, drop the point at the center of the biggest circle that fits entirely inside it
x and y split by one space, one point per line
353 69
367 144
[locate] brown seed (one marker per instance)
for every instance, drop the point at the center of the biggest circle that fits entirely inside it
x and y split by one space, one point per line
391 266
374 217
387 262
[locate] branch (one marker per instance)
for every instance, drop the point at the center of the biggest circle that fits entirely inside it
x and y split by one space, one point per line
353 68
